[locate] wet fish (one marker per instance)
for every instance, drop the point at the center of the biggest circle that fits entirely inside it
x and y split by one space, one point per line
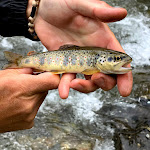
73 59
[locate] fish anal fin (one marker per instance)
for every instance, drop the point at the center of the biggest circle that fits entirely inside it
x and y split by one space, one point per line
68 47
89 72
31 53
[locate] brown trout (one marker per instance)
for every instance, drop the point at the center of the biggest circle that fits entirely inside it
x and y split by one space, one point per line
73 59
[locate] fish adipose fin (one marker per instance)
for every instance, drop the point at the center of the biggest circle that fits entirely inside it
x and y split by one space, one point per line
12 59
89 72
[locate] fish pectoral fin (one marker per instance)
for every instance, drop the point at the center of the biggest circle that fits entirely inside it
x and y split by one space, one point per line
68 47
57 71
89 72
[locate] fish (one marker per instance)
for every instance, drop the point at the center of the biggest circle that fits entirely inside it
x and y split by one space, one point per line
73 59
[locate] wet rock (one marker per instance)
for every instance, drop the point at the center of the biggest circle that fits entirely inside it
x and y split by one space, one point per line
145 100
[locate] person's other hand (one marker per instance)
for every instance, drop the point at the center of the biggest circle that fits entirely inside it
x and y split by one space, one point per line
21 96
82 23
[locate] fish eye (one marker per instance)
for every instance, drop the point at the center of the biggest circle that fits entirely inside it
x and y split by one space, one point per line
110 59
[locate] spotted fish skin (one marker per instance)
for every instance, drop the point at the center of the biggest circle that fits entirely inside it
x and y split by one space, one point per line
74 59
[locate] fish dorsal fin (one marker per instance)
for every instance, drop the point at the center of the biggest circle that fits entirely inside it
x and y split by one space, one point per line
68 47
31 53
76 47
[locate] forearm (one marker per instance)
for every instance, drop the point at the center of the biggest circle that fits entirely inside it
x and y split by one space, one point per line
13 18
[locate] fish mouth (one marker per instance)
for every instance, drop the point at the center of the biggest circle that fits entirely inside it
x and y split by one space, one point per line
119 68
125 67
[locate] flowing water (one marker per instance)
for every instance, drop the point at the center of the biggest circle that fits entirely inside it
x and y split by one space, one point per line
99 120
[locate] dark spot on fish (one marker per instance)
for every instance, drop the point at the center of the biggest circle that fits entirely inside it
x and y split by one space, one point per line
110 59
114 59
97 56
42 60
118 58
27 61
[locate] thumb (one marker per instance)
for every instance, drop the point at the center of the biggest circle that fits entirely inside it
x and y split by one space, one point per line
99 9
42 82
24 71
18 71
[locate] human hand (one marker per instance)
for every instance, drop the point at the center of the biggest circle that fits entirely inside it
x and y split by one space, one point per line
21 96
83 23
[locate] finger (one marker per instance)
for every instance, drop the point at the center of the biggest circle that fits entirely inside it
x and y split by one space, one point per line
124 83
84 86
98 9
41 83
25 71
104 81
64 85
18 71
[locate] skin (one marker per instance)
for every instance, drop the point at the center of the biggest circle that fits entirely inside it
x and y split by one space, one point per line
81 23
20 99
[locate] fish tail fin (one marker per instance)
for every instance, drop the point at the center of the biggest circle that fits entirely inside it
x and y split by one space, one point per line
12 59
